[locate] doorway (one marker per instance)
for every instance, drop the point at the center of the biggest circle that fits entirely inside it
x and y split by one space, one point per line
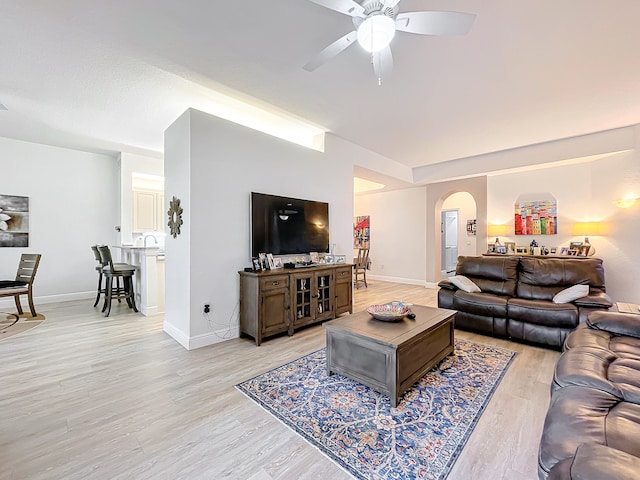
449 230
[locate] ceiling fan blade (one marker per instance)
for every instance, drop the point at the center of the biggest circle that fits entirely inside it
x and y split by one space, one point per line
348 7
391 3
331 51
382 63
435 23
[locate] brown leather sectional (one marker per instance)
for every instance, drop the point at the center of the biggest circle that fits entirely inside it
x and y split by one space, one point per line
516 298
592 427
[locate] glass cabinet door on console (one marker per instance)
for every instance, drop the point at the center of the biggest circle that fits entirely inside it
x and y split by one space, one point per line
312 292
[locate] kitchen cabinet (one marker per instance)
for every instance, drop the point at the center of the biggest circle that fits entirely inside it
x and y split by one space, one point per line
148 211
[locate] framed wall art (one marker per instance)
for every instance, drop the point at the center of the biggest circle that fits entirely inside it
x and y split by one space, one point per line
14 221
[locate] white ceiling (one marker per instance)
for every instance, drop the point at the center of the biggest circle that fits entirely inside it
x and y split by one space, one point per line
112 75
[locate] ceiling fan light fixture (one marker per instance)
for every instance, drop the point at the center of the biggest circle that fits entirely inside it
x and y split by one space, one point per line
376 32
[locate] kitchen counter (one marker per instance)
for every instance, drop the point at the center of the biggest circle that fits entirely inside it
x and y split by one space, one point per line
149 277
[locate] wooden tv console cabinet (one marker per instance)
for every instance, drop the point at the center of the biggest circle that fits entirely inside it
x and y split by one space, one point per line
283 300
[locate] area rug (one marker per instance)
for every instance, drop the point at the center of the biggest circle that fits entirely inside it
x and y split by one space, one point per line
9 327
356 426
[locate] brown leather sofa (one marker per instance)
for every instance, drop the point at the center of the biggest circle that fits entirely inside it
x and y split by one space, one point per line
592 427
516 298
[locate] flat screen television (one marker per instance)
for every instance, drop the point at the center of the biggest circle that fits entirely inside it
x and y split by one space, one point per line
285 226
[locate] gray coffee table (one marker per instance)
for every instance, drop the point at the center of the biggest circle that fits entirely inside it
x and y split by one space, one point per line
389 356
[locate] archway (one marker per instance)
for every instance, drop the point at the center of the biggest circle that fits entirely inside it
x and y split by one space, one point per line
458 230
437 194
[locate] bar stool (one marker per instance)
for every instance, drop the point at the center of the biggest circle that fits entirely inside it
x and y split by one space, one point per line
99 267
116 270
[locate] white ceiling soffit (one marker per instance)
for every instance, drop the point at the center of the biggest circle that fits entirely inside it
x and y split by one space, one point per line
114 75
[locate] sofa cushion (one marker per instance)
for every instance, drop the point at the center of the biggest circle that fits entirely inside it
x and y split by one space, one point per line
464 284
616 323
622 346
577 414
543 278
593 461
570 294
563 315
497 275
601 369
485 304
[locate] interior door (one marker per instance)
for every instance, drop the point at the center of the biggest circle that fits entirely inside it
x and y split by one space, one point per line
449 229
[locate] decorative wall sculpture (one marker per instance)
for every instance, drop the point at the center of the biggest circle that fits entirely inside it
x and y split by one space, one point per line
14 221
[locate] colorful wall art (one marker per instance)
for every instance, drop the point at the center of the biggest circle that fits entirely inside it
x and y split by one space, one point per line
536 217
361 233
14 221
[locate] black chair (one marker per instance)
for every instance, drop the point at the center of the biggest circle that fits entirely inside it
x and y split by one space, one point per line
23 284
118 271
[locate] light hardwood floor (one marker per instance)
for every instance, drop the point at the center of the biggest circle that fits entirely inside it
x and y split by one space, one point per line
88 397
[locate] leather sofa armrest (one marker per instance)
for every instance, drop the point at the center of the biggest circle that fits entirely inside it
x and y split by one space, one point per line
599 462
616 323
447 284
597 300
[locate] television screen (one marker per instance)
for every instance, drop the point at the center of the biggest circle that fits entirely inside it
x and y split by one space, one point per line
282 225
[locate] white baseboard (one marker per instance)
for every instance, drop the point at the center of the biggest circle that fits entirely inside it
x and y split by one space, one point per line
199 341
65 297
406 281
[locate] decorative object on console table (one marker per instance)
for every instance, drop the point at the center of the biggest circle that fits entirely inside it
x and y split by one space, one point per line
511 247
256 264
587 229
497 231
313 257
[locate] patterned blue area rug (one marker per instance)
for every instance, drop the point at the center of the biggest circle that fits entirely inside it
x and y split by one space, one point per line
356 426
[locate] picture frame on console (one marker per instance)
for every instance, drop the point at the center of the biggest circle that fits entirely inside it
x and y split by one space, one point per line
564 251
277 263
270 261
340 258
255 261
313 257
511 247
263 261
522 250
583 250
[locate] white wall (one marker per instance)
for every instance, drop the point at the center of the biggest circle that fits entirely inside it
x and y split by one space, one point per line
73 198
584 192
464 203
213 165
398 230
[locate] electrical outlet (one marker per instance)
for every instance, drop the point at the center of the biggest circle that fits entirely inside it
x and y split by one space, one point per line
207 308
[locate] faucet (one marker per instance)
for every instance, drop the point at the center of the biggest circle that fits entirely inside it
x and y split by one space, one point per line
155 240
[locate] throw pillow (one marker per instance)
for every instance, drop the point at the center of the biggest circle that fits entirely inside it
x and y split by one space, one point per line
570 294
464 284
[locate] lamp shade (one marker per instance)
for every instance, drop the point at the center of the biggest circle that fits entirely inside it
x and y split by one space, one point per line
497 230
376 33
587 229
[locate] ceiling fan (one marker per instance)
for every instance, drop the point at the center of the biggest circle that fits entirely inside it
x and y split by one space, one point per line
376 22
